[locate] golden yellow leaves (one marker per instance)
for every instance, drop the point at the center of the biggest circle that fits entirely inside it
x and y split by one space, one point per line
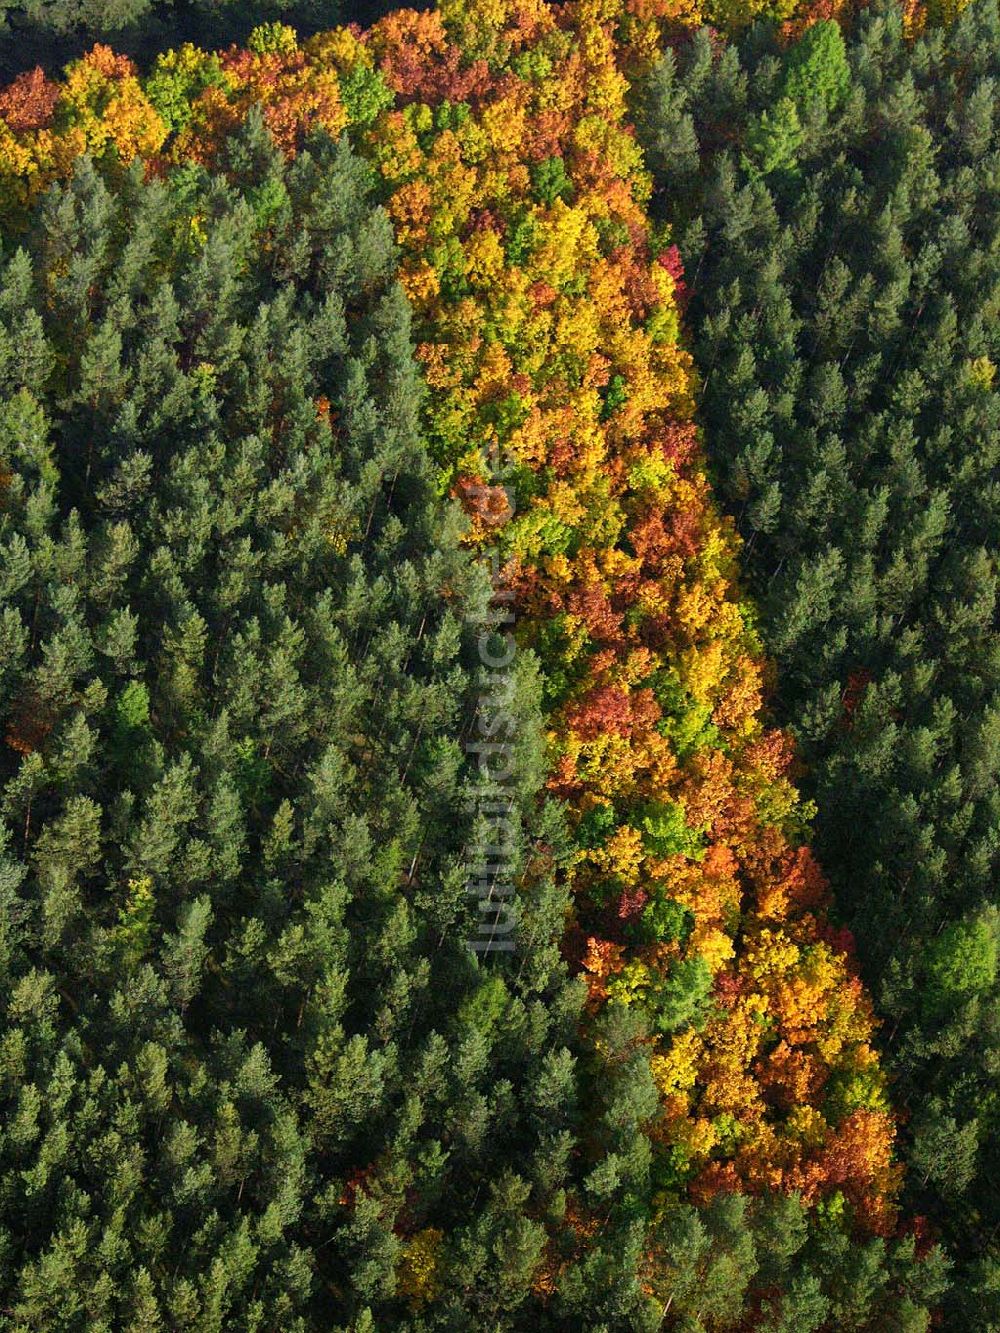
417 1273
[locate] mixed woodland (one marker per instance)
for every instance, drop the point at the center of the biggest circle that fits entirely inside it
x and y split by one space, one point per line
653 341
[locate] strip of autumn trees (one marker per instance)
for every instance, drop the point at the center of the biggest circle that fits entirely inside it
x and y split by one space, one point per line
727 1092
550 331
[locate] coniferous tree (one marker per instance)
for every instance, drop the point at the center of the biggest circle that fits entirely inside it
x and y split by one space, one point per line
252 1075
844 315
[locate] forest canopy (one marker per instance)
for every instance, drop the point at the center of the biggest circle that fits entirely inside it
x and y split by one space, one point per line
845 325
496 736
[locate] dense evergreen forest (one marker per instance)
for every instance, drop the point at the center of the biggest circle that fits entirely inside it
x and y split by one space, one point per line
450 881
235 675
839 210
